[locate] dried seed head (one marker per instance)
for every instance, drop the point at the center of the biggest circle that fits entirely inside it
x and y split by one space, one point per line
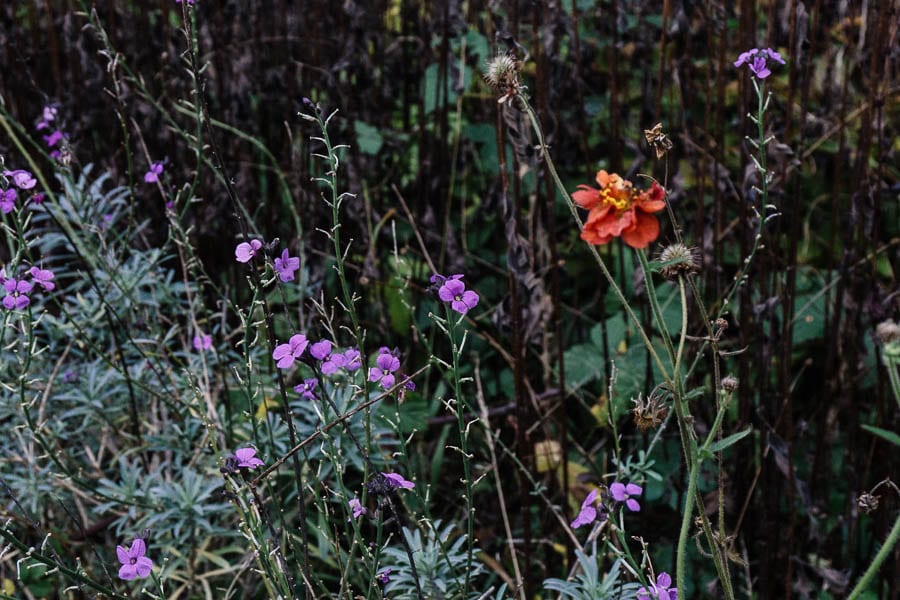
649 413
888 331
867 502
658 140
502 74
678 260
730 383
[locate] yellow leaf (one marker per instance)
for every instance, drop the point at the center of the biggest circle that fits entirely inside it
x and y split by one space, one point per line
264 407
547 455
601 411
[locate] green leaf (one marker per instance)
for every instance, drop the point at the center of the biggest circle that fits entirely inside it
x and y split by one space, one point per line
730 440
368 137
884 434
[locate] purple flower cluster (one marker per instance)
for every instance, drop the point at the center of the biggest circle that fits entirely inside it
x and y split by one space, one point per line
156 169
202 342
48 116
19 179
757 59
452 289
620 492
18 289
134 562
661 590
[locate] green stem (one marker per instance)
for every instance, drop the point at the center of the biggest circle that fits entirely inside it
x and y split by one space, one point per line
654 307
882 555
461 410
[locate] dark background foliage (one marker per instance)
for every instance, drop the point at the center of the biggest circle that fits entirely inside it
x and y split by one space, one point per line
405 76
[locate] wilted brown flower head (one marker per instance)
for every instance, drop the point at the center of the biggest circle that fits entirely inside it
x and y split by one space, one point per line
658 140
649 413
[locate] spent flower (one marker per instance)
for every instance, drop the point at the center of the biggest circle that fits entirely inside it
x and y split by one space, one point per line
395 481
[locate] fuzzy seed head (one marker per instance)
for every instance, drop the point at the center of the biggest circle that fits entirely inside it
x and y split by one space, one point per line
730 383
679 260
502 74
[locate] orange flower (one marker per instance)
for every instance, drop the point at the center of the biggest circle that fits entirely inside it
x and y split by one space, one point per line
617 209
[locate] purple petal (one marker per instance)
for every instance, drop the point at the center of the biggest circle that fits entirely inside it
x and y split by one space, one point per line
387 382
587 515
663 580
122 555
634 489
138 548
591 498
470 298
143 566
320 350
618 492
397 481
633 505
375 374
127 572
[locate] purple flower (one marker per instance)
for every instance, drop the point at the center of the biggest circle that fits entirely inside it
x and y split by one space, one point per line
321 349
286 265
8 200
757 59
588 513
395 480
357 508
38 198
286 354
246 458
454 291
384 577
353 359
661 590
21 178
152 176
334 362
54 138
17 291
624 492
202 341
42 277
306 388
383 372
47 117
134 563
247 250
